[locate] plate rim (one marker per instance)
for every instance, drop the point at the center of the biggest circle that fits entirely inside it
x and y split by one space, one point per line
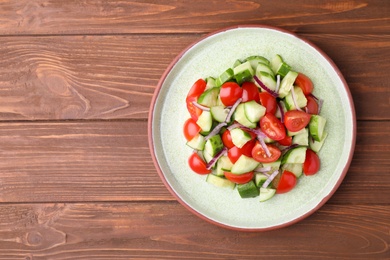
157 92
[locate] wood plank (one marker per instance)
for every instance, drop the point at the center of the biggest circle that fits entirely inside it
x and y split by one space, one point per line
148 231
112 17
114 77
97 161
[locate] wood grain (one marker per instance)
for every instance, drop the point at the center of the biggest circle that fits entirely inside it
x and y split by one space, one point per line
113 17
148 231
114 77
96 161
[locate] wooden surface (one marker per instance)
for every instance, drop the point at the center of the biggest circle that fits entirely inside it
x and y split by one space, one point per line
76 177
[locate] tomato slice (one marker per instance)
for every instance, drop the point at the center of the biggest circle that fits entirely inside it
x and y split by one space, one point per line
312 163
296 120
269 102
229 93
239 178
250 92
227 139
311 106
197 164
272 127
192 109
190 129
287 182
304 83
259 154
197 89
287 141
234 153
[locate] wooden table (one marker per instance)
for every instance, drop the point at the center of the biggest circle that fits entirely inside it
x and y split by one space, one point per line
76 177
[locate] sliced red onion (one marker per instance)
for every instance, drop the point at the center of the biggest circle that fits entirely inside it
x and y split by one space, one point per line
294 99
262 169
216 157
281 112
320 103
264 145
232 126
270 178
289 148
277 83
200 106
273 93
316 98
233 109
215 131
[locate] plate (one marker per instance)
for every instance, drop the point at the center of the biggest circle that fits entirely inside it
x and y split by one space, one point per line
212 55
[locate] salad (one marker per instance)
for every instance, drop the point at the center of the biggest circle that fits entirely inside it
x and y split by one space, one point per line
255 128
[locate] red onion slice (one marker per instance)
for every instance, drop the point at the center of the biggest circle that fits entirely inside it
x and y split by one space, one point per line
277 83
270 178
273 93
215 131
262 169
320 103
294 99
281 112
200 106
216 157
235 105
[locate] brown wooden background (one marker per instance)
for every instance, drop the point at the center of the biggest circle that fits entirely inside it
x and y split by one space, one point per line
76 176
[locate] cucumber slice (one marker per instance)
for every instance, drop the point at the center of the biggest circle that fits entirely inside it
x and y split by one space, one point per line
243 72
254 60
267 79
248 190
286 83
220 182
207 157
219 113
225 77
240 117
210 83
315 145
213 145
239 137
224 164
289 133
254 111
274 165
205 121
296 168
197 142
300 98
209 97
295 155
266 194
265 68
236 63
316 127
301 138
260 179
244 164
278 114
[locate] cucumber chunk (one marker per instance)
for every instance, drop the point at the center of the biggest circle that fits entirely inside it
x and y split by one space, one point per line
316 127
266 194
315 145
286 83
213 145
220 182
265 68
205 121
295 168
240 117
248 190
210 83
295 155
243 72
267 79
197 142
224 164
260 179
219 113
254 60
254 111
225 77
239 137
276 62
301 138
209 98
300 98
244 164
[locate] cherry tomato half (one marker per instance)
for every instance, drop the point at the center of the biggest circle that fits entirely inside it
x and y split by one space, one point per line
234 153
304 83
259 154
197 89
190 129
296 120
229 93
227 139
311 106
287 141
269 102
193 110
197 164
312 163
272 127
239 178
250 92
287 182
